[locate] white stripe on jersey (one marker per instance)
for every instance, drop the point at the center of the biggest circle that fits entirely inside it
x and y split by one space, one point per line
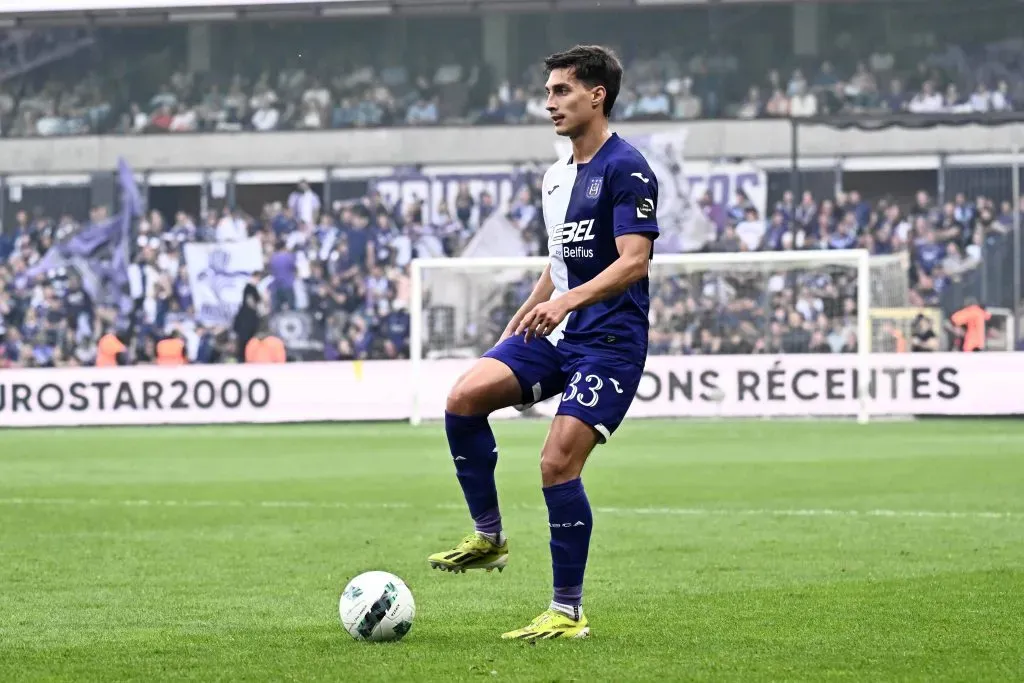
557 191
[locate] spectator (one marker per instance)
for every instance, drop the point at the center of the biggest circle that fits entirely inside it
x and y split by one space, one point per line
924 338
494 113
283 269
1000 98
797 84
304 204
247 319
895 100
927 101
653 103
752 107
422 112
729 241
751 230
972 319
687 105
803 103
232 227
777 105
266 117
185 120
774 236
160 121
981 99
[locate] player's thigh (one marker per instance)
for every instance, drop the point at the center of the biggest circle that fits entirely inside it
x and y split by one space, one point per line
536 364
511 373
487 386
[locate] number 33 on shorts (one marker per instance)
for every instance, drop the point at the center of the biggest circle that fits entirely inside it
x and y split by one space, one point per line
600 399
592 384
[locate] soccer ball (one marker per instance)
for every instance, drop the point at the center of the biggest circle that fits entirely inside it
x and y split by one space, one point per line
377 606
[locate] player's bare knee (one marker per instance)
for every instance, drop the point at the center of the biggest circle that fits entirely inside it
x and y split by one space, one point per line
557 465
462 398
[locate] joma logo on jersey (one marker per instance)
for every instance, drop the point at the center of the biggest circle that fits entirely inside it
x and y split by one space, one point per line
573 231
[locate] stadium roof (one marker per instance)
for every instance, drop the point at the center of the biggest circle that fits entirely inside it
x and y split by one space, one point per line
77 12
30 12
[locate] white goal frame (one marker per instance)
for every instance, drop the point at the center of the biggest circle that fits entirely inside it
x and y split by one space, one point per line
855 258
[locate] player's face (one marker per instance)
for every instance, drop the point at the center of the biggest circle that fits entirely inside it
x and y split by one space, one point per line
571 104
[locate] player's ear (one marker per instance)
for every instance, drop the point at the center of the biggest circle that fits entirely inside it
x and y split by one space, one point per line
597 96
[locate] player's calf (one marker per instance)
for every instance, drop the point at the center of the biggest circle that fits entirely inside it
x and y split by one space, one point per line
570 520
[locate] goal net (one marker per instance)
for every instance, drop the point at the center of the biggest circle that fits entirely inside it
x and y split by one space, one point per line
736 305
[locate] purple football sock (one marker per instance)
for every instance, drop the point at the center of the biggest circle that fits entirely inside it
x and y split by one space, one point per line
571 521
475 454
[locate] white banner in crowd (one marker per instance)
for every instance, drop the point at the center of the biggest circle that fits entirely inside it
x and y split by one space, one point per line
690 386
217 274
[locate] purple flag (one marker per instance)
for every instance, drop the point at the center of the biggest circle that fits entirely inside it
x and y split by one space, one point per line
100 252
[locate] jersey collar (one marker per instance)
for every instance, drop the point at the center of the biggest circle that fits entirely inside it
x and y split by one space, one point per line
600 150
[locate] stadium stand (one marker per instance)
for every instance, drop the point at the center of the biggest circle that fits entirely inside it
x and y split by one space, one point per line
309 76
348 267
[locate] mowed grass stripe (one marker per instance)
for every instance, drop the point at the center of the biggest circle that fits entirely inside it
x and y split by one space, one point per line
645 511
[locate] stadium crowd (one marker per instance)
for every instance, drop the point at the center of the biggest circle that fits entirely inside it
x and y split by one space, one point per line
305 81
347 267
344 268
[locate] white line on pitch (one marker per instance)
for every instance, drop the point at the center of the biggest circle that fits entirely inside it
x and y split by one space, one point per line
652 511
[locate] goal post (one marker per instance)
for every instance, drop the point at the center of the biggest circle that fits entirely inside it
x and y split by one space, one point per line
459 306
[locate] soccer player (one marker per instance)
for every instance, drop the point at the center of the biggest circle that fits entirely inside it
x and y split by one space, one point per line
582 333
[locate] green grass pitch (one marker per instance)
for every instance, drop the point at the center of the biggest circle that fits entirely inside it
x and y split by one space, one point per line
743 551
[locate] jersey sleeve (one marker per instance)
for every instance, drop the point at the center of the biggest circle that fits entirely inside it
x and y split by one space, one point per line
634 199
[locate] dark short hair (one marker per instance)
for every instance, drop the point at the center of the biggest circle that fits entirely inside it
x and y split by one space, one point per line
592 65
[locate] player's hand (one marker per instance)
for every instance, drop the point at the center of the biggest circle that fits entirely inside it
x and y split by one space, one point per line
543 318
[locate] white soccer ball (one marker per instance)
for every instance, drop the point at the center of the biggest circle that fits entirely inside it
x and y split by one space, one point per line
377 606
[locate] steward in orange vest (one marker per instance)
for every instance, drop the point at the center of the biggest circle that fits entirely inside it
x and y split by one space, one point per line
269 349
171 351
108 349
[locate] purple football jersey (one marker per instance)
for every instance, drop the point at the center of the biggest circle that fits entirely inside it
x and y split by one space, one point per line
586 206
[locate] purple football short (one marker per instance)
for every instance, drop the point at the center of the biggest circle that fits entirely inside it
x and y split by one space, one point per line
595 389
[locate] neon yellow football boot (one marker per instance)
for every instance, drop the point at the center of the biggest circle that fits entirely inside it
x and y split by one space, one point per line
551 625
474 552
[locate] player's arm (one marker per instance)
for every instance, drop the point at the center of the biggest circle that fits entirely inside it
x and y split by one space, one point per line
542 291
631 266
635 226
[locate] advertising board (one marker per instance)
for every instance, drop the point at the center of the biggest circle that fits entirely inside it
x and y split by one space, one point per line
672 386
